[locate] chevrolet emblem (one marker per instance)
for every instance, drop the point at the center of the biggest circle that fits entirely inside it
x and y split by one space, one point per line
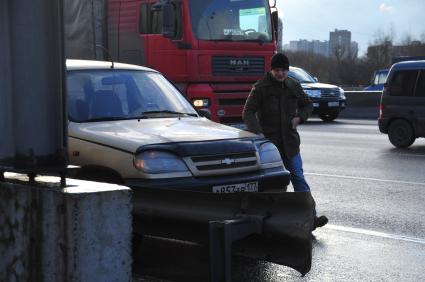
227 161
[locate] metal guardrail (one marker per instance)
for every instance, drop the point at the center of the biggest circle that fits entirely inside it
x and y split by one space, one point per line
274 227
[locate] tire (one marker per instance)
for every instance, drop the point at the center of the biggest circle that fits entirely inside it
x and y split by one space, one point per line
401 133
330 116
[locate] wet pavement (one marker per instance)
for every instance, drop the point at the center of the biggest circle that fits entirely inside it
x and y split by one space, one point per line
374 197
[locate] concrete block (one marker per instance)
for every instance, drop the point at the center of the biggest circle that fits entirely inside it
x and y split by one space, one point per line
78 233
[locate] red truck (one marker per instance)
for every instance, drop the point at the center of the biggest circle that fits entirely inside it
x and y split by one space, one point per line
212 50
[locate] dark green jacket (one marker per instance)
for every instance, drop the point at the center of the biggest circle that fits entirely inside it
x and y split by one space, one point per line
270 108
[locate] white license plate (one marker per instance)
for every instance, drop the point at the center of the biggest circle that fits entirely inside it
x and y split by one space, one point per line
234 188
316 105
333 104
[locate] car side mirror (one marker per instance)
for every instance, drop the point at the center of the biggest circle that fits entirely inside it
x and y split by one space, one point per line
275 20
204 113
316 79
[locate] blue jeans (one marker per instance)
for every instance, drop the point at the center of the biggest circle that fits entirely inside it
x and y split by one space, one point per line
295 167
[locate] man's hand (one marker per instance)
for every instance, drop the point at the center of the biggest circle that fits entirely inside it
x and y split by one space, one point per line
295 122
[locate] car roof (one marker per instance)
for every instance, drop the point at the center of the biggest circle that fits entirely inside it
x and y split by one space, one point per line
291 68
409 65
72 64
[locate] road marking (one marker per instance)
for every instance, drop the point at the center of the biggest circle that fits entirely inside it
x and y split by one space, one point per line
375 233
366 178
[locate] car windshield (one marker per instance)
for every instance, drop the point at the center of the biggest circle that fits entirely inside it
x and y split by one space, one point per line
95 95
301 75
231 20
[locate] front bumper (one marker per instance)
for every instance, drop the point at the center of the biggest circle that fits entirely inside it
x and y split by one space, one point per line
321 105
271 179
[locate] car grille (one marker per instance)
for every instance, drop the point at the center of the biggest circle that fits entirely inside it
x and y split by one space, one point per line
237 66
329 93
223 164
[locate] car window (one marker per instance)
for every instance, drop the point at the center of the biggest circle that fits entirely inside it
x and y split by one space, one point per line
420 88
301 76
403 83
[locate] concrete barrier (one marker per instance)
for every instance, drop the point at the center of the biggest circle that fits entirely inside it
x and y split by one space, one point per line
362 104
79 233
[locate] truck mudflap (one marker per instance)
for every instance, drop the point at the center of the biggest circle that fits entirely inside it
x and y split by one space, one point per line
274 227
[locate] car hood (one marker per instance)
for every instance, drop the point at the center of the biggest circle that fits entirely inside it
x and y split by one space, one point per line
129 135
318 86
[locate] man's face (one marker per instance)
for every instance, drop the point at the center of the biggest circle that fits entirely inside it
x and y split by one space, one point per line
280 74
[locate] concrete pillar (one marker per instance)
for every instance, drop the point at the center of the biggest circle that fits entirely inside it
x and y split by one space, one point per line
79 233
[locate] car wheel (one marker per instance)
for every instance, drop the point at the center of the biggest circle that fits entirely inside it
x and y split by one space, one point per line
329 116
401 134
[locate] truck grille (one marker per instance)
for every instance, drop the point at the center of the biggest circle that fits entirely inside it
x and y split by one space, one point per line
231 98
223 164
329 93
237 66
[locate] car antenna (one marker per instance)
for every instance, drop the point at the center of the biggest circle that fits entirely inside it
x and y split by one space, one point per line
107 52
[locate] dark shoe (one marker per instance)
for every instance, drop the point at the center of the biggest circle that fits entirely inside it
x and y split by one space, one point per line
320 221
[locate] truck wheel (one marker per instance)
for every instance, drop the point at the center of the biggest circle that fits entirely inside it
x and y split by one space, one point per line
401 134
328 116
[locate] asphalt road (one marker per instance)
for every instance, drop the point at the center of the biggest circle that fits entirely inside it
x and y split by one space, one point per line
374 197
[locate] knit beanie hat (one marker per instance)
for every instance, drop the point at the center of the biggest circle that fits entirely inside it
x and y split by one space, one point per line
279 60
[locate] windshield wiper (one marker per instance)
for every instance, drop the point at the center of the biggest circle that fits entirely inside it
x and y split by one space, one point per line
169 112
112 118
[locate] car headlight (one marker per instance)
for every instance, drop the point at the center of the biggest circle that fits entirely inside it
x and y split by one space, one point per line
313 93
154 162
341 93
269 153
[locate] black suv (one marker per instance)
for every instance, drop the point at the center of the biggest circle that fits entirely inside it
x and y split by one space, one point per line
402 109
328 100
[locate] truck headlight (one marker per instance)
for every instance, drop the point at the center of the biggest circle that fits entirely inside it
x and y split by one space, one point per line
154 162
201 103
269 153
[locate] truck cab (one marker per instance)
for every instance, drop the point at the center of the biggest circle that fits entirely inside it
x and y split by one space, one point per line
212 50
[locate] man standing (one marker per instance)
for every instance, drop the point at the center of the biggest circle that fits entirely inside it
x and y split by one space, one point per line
275 107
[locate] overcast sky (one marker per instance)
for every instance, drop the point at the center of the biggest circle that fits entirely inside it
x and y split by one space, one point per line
314 19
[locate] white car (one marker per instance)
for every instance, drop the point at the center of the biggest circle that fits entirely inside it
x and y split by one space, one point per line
129 125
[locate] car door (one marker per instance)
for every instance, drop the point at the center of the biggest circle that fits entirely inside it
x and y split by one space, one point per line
419 108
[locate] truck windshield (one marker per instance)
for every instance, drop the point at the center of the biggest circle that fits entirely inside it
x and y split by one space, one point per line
96 95
231 20
380 77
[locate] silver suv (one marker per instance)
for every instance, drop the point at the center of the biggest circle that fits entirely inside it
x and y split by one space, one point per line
129 125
